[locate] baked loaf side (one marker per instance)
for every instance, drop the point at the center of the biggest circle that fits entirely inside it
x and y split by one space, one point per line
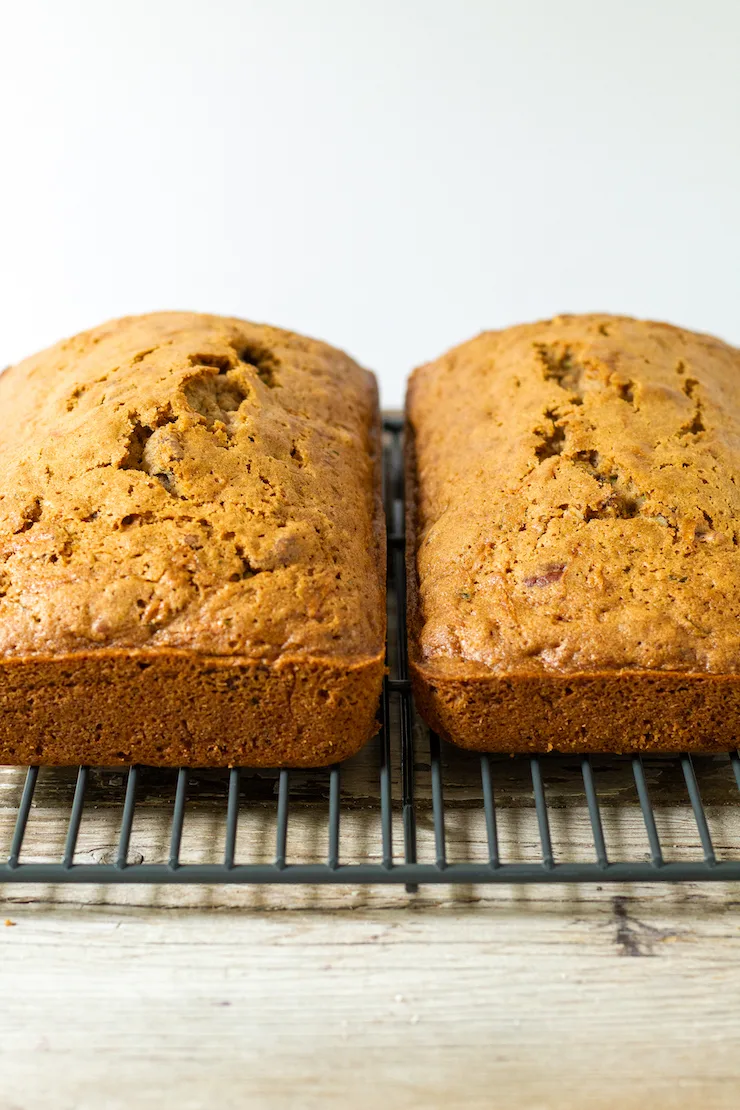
574 568
191 541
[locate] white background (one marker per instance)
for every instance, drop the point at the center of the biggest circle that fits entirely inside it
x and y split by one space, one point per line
390 176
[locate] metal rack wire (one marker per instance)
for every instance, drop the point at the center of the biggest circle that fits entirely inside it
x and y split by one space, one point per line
394 749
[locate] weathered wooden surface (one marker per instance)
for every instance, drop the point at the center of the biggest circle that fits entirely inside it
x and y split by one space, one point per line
321 997
543 999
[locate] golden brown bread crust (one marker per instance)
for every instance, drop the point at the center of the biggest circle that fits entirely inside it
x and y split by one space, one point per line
573 559
192 557
182 709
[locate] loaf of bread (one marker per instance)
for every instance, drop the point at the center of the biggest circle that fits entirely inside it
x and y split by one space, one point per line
192 556
574 519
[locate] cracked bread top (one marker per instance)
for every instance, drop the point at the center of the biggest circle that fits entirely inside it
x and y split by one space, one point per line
190 482
576 500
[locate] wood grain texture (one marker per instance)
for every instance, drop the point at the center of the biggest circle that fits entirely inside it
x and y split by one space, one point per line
522 1002
532 998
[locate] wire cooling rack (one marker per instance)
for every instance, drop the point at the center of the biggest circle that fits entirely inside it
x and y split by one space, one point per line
409 809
